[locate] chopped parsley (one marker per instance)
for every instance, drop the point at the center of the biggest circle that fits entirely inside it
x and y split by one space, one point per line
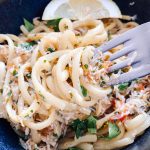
102 83
28 25
54 24
9 93
28 45
123 86
26 116
28 75
82 126
11 81
45 61
86 66
79 127
14 73
100 60
1 91
41 95
109 36
91 124
50 50
113 131
84 91
31 111
32 43
84 48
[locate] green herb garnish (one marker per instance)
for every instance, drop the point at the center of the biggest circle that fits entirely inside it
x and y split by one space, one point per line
109 36
71 95
26 116
86 66
84 91
9 93
113 131
100 60
15 73
79 127
123 86
91 125
102 83
54 24
50 50
28 25
41 95
32 43
28 45
28 75
11 81
1 91
31 111
82 126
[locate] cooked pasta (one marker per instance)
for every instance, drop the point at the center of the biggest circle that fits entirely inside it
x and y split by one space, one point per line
58 99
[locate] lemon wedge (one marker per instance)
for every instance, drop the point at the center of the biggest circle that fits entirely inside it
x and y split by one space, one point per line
81 9
58 9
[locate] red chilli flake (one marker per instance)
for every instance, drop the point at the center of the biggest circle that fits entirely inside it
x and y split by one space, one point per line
119 117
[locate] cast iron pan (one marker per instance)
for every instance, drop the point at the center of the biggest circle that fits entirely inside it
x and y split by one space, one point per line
11 14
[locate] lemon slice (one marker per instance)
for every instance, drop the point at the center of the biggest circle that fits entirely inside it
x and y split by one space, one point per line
80 9
58 9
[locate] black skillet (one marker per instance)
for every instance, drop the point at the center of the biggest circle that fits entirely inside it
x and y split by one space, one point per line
11 14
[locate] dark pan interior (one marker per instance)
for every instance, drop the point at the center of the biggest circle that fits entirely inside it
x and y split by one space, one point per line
11 14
